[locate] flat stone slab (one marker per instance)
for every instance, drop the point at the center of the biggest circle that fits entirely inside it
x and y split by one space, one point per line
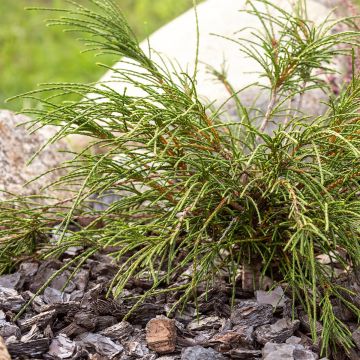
175 44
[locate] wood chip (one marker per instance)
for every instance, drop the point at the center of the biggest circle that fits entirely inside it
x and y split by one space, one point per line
242 336
32 348
161 335
121 331
41 320
61 308
277 333
251 313
245 354
73 330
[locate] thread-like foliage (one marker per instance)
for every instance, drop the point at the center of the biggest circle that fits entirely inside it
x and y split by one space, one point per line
192 191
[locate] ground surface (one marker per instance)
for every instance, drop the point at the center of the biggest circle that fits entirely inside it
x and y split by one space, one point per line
74 319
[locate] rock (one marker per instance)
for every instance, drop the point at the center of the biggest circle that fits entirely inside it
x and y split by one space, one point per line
101 344
275 297
278 332
17 146
45 271
4 353
278 351
8 329
28 268
305 323
161 335
303 354
63 279
136 349
293 340
10 299
175 43
251 313
272 351
200 353
81 279
11 281
62 347
203 323
73 330
54 296
356 337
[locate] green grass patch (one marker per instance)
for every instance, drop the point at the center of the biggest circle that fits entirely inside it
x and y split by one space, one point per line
31 54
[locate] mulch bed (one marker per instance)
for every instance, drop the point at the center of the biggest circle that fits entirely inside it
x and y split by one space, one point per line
81 322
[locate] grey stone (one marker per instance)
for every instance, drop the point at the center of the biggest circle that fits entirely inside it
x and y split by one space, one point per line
28 268
293 340
63 279
136 349
272 351
11 281
303 354
175 43
103 345
200 353
356 337
62 347
275 297
278 332
10 299
55 296
8 329
206 322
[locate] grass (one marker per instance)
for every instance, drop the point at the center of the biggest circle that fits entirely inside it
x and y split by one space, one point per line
31 54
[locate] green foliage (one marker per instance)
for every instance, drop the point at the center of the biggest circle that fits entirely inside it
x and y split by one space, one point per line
195 192
30 54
